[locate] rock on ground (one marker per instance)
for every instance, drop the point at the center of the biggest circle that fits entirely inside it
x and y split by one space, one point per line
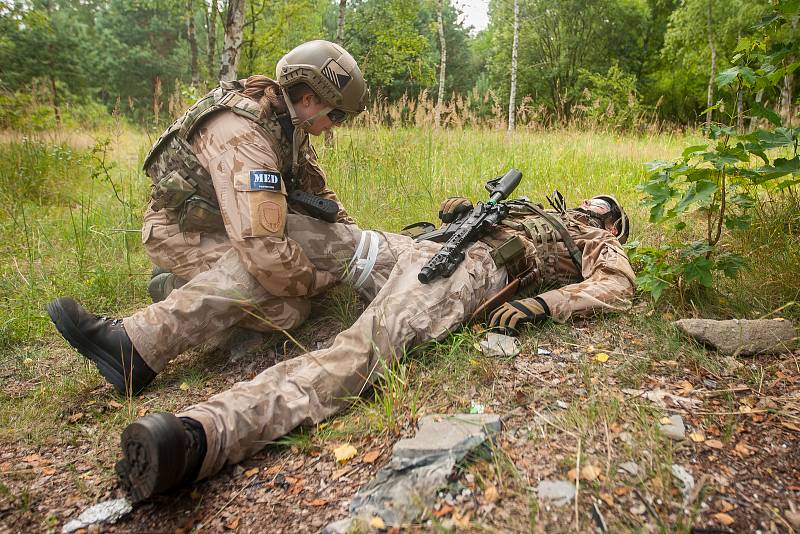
742 337
559 492
418 468
104 512
675 429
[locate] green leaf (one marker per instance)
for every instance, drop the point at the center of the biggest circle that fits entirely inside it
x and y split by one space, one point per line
727 77
759 110
699 192
699 270
738 222
680 226
730 264
780 167
690 151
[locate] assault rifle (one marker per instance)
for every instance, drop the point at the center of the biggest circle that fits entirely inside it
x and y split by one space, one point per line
462 233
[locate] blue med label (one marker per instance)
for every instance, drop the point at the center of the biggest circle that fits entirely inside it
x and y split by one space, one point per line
261 180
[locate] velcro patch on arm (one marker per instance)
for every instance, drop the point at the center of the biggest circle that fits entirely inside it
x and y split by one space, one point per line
263 180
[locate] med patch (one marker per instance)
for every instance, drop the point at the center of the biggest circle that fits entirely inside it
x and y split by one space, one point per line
263 180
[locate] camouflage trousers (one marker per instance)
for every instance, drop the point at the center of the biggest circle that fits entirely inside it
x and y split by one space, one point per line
316 385
221 293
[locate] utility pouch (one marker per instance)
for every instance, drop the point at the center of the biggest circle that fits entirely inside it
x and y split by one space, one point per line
172 191
200 215
417 229
509 251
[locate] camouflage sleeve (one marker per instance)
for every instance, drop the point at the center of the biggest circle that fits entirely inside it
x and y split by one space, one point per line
252 200
608 279
314 181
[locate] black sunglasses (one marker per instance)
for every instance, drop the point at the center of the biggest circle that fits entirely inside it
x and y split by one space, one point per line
337 116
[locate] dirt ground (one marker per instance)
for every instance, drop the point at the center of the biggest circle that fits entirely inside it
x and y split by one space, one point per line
576 403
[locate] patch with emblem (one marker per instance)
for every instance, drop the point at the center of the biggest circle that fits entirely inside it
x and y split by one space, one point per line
262 180
270 216
336 73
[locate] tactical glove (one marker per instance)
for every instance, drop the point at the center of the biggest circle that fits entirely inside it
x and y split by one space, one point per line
516 312
453 207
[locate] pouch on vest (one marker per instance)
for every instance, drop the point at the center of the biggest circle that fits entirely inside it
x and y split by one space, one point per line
172 190
509 251
199 215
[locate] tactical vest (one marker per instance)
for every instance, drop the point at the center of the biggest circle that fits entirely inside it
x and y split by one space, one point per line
547 234
180 182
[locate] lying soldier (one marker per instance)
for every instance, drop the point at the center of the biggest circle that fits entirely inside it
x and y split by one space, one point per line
578 249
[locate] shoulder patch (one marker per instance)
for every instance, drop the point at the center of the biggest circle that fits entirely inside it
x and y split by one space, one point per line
263 180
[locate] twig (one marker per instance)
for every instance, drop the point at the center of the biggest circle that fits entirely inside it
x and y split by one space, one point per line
577 486
549 422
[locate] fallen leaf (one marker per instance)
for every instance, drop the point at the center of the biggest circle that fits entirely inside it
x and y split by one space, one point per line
461 521
274 470
33 459
141 412
184 386
490 494
590 472
48 471
743 449
790 426
615 427
725 506
377 522
745 409
371 456
572 474
607 498
724 519
344 452
685 385
443 511
251 472
74 418
619 491
317 502
665 421
697 437
115 404
233 524
601 357
714 444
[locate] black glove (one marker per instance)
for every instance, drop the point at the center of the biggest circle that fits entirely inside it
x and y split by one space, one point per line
454 207
516 312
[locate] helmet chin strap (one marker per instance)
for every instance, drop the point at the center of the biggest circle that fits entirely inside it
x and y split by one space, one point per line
300 128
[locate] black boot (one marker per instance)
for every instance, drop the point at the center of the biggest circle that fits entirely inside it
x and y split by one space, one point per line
160 452
103 341
162 283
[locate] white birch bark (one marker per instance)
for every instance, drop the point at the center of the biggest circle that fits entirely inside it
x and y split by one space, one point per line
234 23
514 47
713 74
437 117
340 25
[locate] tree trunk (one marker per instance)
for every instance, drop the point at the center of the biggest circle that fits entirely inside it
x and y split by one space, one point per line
234 23
753 119
740 111
56 108
211 37
713 75
437 117
787 91
514 47
340 26
192 38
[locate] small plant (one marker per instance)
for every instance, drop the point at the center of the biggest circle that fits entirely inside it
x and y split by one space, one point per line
715 186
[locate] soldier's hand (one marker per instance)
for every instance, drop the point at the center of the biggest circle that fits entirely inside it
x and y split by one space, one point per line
453 207
512 314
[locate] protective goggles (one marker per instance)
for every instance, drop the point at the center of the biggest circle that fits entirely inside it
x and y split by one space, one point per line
337 116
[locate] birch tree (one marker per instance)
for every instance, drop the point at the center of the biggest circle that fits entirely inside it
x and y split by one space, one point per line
442 64
340 23
514 49
211 37
234 24
192 38
713 70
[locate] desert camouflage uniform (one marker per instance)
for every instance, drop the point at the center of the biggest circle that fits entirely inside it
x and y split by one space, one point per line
235 249
403 314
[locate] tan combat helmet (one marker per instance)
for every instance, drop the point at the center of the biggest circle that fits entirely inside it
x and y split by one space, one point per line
330 71
621 221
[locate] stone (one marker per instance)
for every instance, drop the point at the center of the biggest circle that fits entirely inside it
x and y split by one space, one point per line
675 429
105 512
559 492
632 468
742 337
499 345
404 488
685 477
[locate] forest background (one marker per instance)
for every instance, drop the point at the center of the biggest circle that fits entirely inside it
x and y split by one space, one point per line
622 63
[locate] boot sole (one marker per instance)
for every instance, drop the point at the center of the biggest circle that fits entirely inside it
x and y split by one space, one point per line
153 456
110 367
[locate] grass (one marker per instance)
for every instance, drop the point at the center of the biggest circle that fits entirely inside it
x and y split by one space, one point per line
80 239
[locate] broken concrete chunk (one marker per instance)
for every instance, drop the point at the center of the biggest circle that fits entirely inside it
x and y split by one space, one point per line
632 468
105 512
559 492
742 337
685 477
675 429
407 485
499 345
